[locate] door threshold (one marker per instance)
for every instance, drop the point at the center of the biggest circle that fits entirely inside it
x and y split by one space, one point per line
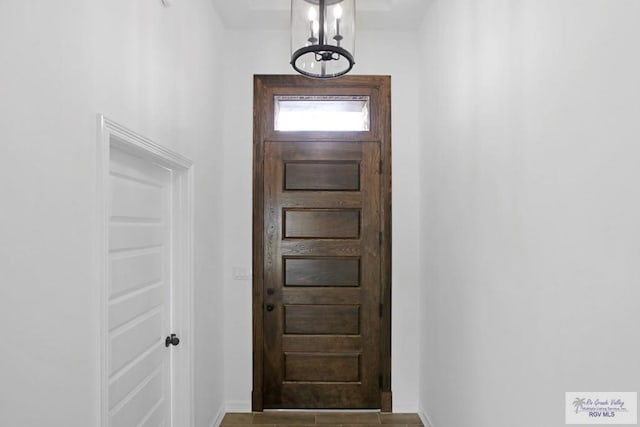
329 411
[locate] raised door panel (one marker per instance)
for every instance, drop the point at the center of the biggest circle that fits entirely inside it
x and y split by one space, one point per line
321 223
322 283
322 272
322 176
139 290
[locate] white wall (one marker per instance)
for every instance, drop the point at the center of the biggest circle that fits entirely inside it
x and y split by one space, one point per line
527 270
531 279
153 70
262 52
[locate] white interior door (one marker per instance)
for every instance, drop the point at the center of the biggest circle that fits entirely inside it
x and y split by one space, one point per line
139 293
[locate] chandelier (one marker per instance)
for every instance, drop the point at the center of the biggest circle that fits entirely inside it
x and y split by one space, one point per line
322 37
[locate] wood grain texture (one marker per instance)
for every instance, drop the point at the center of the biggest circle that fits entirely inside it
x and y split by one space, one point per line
279 190
314 367
322 319
319 344
383 122
323 419
322 224
356 418
323 296
258 242
322 272
387 402
410 419
322 176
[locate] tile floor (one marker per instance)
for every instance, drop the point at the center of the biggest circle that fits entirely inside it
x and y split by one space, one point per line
320 419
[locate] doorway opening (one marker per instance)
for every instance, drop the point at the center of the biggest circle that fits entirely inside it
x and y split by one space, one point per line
144 249
322 243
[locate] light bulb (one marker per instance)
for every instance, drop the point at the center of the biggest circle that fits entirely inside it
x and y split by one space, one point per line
316 26
337 11
312 14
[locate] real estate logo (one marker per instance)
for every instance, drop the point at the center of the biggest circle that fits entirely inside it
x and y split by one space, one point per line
601 407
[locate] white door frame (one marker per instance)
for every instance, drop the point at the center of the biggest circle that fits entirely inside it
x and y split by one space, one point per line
113 135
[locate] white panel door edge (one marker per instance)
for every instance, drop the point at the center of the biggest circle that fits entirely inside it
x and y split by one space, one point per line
150 191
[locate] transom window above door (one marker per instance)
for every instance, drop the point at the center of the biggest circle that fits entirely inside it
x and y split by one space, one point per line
321 113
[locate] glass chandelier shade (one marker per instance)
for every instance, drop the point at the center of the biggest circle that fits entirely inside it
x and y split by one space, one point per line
323 37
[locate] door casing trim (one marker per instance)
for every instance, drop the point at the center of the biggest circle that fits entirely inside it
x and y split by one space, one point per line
113 135
382 84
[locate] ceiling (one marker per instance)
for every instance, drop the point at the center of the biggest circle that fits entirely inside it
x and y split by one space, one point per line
371 15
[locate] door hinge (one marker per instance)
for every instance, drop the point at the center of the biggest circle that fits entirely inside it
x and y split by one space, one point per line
380 238
380 167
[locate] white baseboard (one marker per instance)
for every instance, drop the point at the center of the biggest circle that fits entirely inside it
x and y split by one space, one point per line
238 406
425 417
219 416
404 407
231 406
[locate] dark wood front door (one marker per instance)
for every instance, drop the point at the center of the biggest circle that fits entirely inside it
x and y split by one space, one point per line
321 254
